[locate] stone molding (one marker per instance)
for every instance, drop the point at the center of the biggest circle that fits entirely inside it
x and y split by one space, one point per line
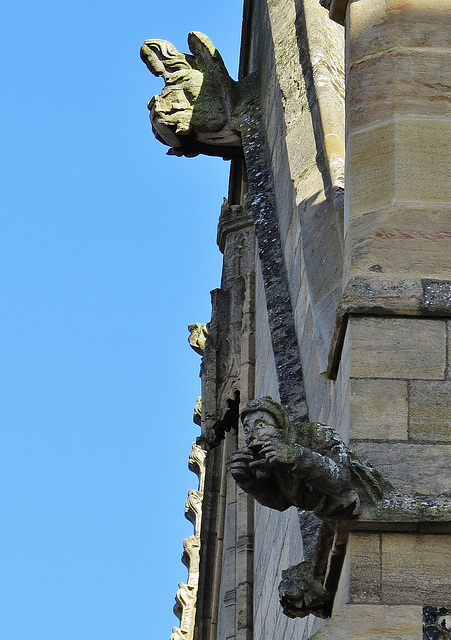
376 296
222 370
233 218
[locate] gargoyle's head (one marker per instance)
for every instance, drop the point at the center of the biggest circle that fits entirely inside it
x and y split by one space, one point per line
302 594
163 59
264 420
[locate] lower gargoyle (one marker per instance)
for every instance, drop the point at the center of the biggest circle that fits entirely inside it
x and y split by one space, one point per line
306 465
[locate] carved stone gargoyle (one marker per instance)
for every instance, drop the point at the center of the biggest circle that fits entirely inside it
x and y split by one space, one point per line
306 465
196 111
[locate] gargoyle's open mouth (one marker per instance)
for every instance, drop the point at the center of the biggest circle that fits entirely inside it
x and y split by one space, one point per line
257 451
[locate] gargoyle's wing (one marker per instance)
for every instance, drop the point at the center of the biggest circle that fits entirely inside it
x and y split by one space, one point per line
208 58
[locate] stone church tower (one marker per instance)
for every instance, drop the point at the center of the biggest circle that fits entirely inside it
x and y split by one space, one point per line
334 309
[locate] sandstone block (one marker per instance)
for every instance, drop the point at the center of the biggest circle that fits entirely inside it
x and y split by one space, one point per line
379 409
229 568
365 568
413 469
415 568
430 411
343 389
406 159
342 594
421 233
371 182
448 350
423 159
399 81
378 25
409 348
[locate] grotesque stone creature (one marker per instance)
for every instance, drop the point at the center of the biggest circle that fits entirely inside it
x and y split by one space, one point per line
197 336
306 465
195 112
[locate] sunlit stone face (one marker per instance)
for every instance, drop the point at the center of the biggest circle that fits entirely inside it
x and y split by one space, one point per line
259 428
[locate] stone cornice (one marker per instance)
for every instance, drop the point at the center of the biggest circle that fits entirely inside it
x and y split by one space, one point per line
421 297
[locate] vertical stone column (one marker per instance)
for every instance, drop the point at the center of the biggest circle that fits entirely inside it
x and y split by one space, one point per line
226 567
397 302
398 146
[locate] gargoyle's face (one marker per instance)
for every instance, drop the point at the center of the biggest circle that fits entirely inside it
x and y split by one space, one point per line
151 56
260 428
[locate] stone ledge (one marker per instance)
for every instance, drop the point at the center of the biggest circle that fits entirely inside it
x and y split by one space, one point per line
372 296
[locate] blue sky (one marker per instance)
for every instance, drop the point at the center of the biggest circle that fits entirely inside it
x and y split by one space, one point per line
107 253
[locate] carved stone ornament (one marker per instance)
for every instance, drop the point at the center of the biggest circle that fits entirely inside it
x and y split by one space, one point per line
197 336
197 414
186 598
306 465
197 110
302 594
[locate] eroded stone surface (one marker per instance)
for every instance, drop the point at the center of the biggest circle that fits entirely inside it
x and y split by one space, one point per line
301 594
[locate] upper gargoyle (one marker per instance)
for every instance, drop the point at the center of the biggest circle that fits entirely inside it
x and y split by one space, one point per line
306 465
195 112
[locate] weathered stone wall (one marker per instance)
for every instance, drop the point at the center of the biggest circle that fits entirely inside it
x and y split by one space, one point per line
308 205
278 545
265 367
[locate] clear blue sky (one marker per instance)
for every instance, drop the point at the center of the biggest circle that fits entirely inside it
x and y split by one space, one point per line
107 253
